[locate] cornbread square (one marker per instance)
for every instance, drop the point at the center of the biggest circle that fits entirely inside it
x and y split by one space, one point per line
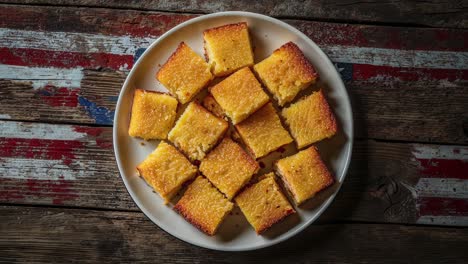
197 131
228 48
153 115
166 169
228 167
286 72
263 203
310 119
262 132
239 95
185 73
304 174
211 105
203 206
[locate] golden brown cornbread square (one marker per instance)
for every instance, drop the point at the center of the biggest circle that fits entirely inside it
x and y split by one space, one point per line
228 48
286 72
185 73
310 119
197 131
228 167
304 174
211 105
239 95
264 204
263 132
166 169
153 115
203 206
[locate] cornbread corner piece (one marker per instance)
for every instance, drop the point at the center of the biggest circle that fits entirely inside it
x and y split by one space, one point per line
211 105
239 95
228 48
263 204
262 132
310 119
304 174
228 167
286 72
204 206
197 131
185 73
153 115
166 170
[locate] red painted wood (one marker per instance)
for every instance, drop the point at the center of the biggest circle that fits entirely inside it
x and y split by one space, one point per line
66 60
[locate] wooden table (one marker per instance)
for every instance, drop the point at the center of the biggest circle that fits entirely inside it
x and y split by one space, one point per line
405 65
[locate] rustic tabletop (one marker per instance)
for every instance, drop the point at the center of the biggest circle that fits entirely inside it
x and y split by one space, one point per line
405 66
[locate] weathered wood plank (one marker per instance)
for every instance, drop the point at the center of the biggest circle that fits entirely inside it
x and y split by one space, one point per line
428 13
44 235
75 76
387 182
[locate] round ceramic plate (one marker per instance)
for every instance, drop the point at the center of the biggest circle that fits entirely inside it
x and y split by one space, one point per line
235 234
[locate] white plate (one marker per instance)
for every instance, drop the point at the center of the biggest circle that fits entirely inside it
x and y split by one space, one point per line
235 234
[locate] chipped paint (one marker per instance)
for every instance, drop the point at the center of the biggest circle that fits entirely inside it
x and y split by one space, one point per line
398 58
441 193
100 114
43 169
72 42
421 151
127 45
442 188
443 220
40 77
64 59
39 131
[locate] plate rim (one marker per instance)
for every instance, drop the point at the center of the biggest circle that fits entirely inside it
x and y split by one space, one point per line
310 42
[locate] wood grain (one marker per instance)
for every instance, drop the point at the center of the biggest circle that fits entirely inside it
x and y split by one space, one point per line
74 166
392 103
44 235
427 13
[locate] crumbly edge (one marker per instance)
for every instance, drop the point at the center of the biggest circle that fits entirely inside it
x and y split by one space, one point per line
323 168
248 158
215 109
269 224
327 111
285 183
171 194
171 58
212 146
133 103
186 214
206 46
303 61
240 25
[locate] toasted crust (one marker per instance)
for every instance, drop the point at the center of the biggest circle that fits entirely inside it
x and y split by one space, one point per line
197 131
166 170
228 48
239 95
310 119
185 73
304 174
262 132
286 72
153 114
228 167
264 204
203 206
211 105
